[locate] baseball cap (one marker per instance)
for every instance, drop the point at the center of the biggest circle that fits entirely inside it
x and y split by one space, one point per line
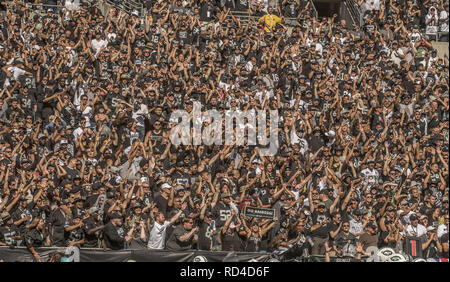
166 186
413 217
224 195
357 212
178 188
115 215
93 210
431 228
5 216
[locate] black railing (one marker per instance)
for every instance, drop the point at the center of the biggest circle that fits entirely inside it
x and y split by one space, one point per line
355 12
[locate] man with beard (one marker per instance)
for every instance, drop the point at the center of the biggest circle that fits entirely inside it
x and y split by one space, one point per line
9 233
114 234
158 233
28 101
57 220
92 228
370 174
74 235
22 215
222 210
183 237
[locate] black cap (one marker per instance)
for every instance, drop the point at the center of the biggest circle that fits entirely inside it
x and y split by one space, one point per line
115 215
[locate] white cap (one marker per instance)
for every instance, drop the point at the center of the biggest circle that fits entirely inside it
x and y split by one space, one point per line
166 186
330 133
136 13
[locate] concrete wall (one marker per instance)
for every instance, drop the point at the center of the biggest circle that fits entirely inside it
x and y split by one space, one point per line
442 48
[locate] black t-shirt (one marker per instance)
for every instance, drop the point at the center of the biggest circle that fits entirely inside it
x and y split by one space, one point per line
71 173
74 235
444 239
57 220
91 241
231 242
332 227
7 234
345 241
205 235
114 236
321 232
221 213
253 244
20 213
161 203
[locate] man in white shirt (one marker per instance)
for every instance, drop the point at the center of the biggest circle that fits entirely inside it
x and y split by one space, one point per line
432 21
415 229
97 43
370 173
443 19
396 54
157 236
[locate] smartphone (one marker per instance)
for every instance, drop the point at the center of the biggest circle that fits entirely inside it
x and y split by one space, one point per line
213 224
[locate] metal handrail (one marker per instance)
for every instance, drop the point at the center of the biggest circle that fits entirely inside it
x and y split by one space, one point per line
315 13
128 6
355 11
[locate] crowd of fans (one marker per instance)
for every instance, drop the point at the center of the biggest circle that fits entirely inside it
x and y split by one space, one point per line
86 159
430 16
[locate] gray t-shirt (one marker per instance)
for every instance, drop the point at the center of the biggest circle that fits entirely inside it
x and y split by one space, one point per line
175 244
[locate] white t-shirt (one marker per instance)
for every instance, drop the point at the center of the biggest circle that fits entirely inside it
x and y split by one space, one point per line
442 229
16 72
158 236
371 177
77 132
444 25
418 231
395 56
98 44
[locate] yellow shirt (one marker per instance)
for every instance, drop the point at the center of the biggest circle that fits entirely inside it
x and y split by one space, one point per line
270 21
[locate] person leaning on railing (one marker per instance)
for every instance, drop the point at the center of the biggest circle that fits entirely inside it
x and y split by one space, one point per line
270 20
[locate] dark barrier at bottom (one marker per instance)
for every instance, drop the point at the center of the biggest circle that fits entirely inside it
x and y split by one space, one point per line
21 254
